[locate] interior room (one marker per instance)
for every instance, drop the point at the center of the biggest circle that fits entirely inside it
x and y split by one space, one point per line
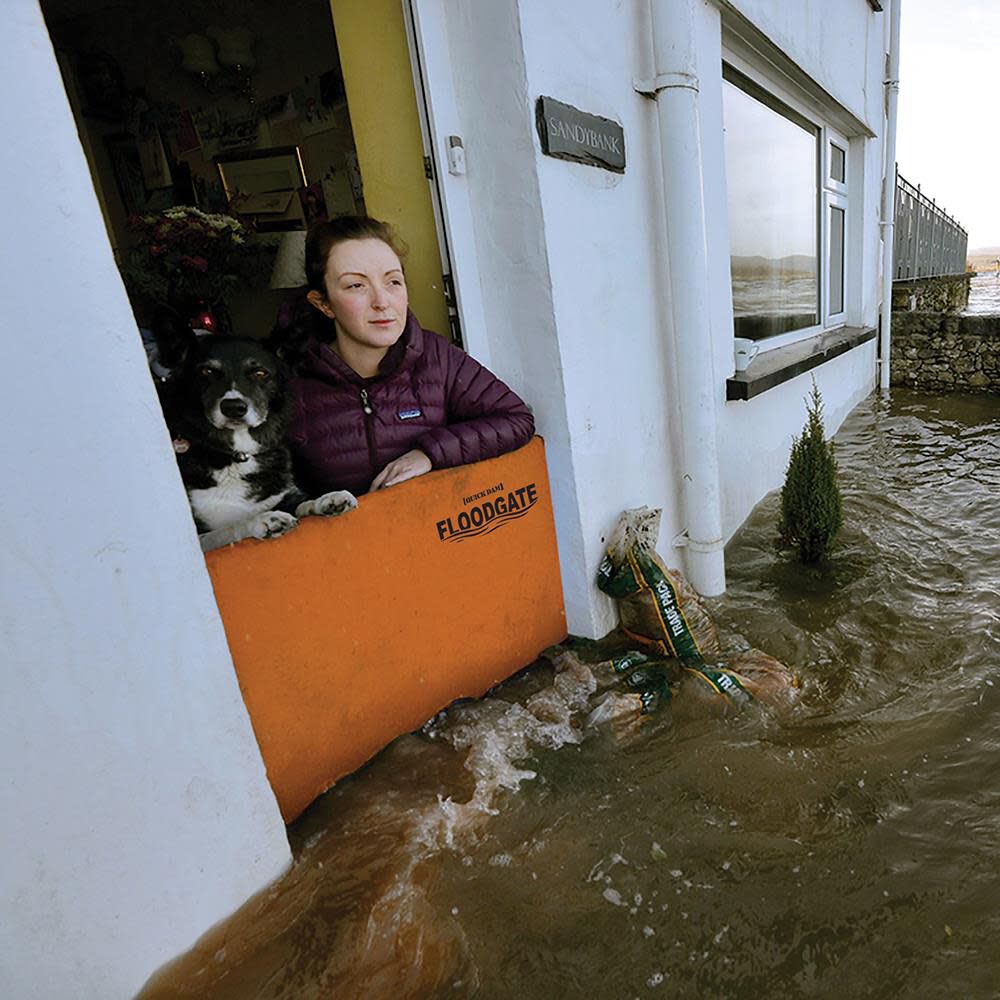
237 110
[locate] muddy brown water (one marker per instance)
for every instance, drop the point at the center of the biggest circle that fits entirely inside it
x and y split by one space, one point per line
848 847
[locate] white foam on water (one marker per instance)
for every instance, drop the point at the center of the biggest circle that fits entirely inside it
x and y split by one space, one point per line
499 734
402 929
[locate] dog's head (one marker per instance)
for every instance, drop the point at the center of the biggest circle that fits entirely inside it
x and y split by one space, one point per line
230 382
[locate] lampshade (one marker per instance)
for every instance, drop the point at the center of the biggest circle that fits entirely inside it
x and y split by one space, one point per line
198 55
235 47
289 269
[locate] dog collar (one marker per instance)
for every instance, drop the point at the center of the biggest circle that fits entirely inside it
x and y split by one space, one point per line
182 445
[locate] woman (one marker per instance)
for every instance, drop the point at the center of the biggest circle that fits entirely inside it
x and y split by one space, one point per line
378 399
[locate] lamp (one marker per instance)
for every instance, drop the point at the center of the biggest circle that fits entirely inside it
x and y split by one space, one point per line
234 46
236 56
225 56
198 56
289 269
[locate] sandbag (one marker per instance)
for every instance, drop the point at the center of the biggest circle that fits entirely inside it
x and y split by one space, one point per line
641 690
766 678
656 605
735 681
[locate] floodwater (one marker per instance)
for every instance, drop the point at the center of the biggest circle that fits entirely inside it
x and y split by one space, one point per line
846 847
984 294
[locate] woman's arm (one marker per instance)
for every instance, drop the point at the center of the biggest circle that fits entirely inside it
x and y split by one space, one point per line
485 417
408 466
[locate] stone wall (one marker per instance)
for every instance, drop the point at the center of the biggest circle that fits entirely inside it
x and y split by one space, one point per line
946 293
943 352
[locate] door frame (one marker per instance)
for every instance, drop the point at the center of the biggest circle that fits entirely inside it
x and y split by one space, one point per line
430 61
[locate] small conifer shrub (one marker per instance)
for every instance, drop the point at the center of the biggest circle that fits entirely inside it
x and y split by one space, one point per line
811 512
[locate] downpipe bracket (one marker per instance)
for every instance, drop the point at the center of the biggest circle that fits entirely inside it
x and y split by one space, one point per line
665 81
685 541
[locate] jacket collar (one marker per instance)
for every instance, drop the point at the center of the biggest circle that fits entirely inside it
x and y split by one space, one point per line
323 360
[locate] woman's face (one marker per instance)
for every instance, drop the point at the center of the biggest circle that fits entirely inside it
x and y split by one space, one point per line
365 294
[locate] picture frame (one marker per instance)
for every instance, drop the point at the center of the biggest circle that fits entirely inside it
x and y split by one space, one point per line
126 166
249 176
155 165
101 86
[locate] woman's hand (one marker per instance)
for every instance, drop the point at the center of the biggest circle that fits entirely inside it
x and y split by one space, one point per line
409 466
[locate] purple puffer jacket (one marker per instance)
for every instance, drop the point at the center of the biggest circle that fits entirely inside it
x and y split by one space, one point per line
429 394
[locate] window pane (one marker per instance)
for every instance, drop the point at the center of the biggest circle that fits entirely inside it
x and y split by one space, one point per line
836 260
772 169
838 163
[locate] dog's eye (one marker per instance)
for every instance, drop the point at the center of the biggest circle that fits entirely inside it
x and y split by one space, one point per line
205 371
260 374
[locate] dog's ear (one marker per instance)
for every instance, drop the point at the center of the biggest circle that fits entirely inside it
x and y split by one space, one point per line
173 335
289 342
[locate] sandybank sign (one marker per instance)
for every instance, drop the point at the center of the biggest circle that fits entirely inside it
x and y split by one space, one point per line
486 511
571 134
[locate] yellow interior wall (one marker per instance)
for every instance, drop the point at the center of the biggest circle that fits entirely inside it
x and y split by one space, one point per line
371 39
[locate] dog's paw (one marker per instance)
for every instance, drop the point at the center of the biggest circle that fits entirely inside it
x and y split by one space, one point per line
271 524
328 505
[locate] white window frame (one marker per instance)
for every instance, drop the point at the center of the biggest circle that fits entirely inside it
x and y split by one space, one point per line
834 194
830 194
833 138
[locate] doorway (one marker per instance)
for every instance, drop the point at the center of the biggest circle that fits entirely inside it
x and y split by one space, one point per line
278 114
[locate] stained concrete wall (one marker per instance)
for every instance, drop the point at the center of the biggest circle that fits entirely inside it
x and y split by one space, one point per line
136 811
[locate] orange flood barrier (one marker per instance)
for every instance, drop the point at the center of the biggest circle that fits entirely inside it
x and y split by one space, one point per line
350 631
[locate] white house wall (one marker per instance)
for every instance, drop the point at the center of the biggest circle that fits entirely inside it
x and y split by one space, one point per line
840 44
136 812
573 264
574 267
491 96
610 273
756 436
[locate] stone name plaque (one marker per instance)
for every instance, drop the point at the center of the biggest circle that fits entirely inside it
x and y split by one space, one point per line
571 134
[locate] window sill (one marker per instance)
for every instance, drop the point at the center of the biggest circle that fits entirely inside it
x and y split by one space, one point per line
772 368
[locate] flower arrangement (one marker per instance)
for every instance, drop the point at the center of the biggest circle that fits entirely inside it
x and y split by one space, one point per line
190 259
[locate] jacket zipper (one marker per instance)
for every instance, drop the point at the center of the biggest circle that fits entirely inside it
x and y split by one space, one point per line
369 430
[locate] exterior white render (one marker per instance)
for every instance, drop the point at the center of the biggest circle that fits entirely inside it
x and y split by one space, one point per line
569 266
136 810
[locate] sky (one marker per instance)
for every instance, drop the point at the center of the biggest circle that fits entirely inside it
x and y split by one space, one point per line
948 130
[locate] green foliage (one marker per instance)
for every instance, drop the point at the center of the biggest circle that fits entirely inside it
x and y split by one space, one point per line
811 512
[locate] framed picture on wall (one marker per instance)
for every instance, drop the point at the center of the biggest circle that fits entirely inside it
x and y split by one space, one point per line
155 166
102 86
258 179
126 165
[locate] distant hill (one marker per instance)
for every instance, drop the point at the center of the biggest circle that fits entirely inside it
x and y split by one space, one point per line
796 263
983 258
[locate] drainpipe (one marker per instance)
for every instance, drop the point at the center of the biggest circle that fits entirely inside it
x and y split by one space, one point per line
675 90
888 190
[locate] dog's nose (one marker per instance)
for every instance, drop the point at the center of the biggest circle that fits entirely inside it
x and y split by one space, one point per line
233 408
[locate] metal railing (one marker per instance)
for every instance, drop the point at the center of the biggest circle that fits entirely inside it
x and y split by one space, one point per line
928 241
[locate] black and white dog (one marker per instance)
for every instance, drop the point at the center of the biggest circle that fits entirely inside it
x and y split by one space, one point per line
226 405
